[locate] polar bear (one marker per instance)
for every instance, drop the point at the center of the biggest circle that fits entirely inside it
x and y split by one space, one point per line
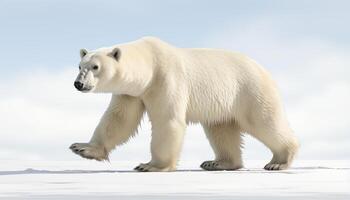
227 92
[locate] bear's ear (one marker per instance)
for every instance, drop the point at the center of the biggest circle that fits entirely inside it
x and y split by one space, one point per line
83 52
116 53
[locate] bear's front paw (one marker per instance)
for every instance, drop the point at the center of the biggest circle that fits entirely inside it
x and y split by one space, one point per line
89 151
213 165
147 167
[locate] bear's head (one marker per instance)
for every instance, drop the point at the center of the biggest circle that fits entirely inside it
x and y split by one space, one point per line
97 70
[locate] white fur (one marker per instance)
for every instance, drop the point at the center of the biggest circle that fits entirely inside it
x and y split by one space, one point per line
227 92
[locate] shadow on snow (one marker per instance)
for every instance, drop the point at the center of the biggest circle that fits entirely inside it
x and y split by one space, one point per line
295 170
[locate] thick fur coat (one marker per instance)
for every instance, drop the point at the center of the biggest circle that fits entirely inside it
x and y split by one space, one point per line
227 92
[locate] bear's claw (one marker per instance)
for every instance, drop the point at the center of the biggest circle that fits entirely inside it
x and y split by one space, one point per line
210 165
142 168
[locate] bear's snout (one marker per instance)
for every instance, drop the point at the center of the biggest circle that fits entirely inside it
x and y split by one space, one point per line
79 85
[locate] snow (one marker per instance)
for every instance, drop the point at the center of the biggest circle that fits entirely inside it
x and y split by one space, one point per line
83 179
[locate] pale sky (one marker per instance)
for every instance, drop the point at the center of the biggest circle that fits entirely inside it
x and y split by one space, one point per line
304 44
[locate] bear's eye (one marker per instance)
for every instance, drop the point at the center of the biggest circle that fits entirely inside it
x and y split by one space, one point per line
95 67
79 67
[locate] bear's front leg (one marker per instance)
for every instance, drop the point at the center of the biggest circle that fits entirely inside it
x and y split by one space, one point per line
118 124
167 139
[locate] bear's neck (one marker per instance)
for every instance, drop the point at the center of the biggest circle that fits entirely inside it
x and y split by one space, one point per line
137 70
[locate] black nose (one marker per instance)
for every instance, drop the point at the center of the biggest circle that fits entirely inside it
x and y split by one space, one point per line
78 85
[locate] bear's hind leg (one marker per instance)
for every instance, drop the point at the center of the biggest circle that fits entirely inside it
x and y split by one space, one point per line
282 144
226 141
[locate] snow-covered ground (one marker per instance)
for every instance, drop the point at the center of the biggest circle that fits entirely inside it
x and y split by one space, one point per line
92 180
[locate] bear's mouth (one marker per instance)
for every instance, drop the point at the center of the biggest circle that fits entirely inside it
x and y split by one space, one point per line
86 89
